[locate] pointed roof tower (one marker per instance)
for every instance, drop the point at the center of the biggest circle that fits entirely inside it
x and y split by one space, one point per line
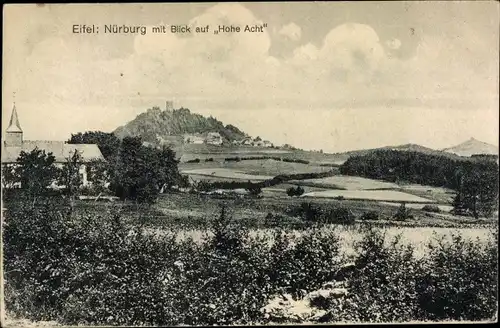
14 125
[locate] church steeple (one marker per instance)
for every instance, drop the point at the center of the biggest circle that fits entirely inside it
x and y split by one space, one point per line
14 133
14 125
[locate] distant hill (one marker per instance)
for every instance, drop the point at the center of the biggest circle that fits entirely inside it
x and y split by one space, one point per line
156 124
405 147
472 147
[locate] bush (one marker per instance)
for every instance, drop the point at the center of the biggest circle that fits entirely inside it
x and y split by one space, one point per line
457 280
291 160
114 274
460 280
370 215
307 211
209 159
341 215
431 208
232 159
254 189
298 191
196 160
403 213
382 286
315 214
303 263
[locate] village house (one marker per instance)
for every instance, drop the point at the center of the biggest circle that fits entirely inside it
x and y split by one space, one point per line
268 144
193 139
247 141
214 138
14 144
258 143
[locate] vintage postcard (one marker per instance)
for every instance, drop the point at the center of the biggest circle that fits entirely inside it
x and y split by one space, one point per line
250 163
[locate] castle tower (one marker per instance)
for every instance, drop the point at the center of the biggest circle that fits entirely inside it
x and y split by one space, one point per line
169 105
14 133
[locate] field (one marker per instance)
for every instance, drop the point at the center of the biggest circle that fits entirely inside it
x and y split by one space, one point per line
443 208
224 173
376 195
347 183
191 151
348 187
267 167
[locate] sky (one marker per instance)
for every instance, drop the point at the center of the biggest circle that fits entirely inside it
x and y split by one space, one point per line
334 76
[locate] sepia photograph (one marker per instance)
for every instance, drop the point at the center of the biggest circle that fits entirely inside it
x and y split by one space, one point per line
254 163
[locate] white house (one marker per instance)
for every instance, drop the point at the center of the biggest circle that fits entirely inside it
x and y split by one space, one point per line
214 138
13 144
247 141
193 139
268 144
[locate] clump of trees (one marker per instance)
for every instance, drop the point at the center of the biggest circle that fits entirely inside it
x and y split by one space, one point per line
254 189
298 191
34 173
139 173
108 143
136 172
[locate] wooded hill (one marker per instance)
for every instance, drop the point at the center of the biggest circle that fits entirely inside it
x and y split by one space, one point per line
156 124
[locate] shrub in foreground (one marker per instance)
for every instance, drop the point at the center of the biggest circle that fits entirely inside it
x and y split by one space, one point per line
114 274
460 280
382 288
456 280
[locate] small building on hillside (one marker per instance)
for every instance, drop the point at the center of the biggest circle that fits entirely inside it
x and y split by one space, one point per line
193 139
258 143
214 138
268 144
13 144
247 141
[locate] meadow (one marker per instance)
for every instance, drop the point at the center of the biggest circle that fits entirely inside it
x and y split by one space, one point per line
186 152
266 167
375 195
225 173
345 182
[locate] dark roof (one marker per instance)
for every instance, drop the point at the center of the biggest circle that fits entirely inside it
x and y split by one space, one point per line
59 149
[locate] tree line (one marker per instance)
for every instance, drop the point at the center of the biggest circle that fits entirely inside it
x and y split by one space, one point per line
475 179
